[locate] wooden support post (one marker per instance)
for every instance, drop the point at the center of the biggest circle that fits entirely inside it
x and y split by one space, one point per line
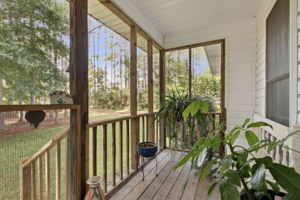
223 109
25 181
150 118
190 72
162 85
133 97
78 150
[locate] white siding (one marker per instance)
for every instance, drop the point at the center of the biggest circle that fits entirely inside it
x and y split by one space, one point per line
298 60
239 36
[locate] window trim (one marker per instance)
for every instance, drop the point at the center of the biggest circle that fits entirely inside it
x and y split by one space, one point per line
293 65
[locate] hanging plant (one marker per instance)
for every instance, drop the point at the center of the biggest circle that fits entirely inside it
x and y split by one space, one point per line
60 97
35 117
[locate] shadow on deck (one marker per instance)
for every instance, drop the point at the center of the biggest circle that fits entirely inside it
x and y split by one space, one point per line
168 185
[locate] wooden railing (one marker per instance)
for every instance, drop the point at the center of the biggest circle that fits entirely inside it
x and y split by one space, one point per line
116 134
35 174
186 136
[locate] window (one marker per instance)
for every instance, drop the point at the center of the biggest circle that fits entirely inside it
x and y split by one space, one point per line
277 63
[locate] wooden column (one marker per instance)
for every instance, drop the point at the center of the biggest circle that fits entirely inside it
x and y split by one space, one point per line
150 136
133 96
162 85
78 147
223 109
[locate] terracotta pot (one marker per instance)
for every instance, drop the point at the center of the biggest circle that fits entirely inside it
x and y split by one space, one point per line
94 192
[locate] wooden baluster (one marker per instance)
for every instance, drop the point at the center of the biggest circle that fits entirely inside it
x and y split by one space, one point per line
95 151
47 173
147 130
105 157
157 132
121 149
40 178
25 180
58 171
114 153
143 129
67 189
127 146
33 183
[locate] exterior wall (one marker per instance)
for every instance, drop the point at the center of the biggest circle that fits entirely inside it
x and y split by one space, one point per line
239 80
279 131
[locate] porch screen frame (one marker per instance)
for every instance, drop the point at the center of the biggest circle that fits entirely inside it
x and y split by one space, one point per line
203 44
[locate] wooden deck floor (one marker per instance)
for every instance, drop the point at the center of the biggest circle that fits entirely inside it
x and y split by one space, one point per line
168 185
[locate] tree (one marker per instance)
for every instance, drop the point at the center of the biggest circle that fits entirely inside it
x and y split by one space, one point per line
30 34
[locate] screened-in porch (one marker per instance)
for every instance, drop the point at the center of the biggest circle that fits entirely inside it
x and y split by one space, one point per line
179 75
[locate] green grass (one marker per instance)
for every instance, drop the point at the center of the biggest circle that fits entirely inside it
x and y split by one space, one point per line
15 147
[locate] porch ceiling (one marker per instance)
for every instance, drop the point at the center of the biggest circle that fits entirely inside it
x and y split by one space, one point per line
168 18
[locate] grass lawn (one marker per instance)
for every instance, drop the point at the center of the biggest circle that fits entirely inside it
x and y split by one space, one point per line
17 146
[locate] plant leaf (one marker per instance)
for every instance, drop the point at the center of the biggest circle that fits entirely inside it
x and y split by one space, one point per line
287 178
233 177
202 157
258 177
259 124
184 160
274 186
229 191
235 136
211 188
246 122
252 139
206 169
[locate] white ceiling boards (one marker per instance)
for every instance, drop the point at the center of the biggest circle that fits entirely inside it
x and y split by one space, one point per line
163 19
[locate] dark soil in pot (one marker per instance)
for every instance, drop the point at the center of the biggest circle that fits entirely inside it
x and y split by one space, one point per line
270 192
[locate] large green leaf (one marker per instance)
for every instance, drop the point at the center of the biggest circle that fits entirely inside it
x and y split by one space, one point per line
287 178
251 137
258 124
235 135
258 177
229 191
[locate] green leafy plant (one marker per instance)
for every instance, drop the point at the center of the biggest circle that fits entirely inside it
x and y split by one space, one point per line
240 170
181 124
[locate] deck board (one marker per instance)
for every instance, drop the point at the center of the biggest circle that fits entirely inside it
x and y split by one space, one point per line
168 185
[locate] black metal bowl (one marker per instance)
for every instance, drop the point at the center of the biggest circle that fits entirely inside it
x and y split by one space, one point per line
147 149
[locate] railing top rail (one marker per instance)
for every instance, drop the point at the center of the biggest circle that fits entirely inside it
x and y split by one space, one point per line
13 108
117 119
46 148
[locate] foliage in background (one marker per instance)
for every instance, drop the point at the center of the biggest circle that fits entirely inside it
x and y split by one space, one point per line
31 42
240 169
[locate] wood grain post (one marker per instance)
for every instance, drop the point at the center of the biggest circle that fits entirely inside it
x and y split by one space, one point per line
133 97
25 181
190 72
223 109
79 90
162 85
150 118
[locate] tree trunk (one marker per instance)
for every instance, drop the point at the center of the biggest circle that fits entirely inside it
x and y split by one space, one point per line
2 124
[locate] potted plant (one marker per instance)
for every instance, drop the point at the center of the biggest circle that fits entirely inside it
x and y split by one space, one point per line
178 127
240 174
241 170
